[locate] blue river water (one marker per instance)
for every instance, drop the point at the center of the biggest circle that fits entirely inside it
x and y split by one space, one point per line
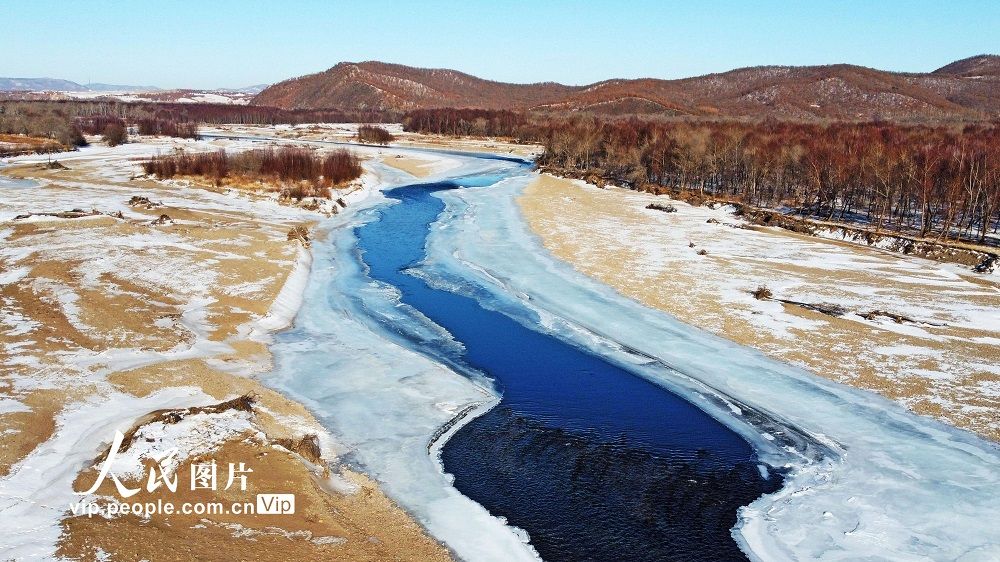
593 461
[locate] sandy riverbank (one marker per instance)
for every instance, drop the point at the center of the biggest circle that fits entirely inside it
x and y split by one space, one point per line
108 319
943 365
417 167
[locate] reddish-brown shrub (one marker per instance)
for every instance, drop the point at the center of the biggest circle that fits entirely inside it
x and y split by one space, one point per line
97 124
168 128
372 134
115 134
290 166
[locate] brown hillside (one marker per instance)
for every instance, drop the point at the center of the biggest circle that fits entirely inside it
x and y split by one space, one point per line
377 85
979 65
967 89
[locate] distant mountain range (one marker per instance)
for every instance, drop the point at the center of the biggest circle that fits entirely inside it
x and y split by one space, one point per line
255 89
969 88
59 85
98 87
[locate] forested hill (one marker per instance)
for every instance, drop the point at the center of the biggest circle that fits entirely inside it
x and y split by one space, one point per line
966 89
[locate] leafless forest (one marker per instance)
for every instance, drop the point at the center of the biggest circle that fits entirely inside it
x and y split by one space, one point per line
930 180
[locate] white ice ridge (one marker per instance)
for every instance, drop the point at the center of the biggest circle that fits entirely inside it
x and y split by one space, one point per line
287 302
869 480
383 401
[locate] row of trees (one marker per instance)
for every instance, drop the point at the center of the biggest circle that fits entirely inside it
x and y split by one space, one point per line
97 124
284 165
189 112
67 123
115 129
931 180
466 122
927 180
941 181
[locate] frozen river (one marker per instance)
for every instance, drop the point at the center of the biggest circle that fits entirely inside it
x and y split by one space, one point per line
602 428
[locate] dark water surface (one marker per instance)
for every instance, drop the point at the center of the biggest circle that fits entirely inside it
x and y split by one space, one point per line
593 461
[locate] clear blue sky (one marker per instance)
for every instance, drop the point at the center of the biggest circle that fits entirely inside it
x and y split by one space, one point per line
206 43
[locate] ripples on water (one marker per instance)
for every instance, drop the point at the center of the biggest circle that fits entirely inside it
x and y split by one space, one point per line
586 498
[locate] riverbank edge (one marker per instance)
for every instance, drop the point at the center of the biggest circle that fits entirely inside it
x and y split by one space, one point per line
979 258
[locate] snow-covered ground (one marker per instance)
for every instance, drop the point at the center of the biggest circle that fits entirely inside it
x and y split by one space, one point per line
347 132
108 318
35 497
228 97
164 281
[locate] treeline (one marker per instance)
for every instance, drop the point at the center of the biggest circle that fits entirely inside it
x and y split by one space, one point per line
193 112
287 165
941 181
927 180
97 124
100 124
41 121
467 122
